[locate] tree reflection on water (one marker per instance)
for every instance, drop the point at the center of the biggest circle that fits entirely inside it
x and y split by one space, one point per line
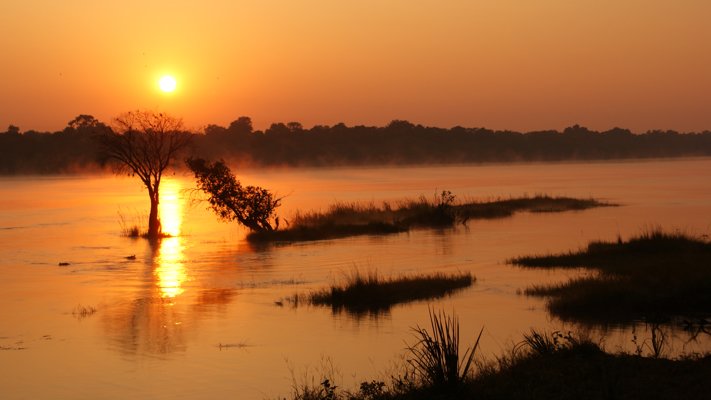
158 318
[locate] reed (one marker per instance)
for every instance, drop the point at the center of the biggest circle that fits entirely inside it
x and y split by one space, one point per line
130 227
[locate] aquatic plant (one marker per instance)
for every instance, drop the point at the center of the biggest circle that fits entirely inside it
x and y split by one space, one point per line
80 312
129 228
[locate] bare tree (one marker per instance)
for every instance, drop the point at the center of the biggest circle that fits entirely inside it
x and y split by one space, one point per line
144 144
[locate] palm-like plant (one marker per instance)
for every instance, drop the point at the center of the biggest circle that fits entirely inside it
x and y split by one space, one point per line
436 356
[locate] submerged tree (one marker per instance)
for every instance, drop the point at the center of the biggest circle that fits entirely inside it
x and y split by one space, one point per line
144 144
252 206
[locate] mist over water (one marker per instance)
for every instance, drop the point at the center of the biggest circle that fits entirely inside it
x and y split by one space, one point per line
194 316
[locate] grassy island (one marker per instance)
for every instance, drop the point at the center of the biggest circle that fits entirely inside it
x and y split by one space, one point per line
351 219
655 276
373 294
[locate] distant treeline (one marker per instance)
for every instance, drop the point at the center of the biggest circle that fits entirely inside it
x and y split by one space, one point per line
76 148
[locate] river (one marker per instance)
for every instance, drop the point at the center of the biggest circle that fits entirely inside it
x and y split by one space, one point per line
196 316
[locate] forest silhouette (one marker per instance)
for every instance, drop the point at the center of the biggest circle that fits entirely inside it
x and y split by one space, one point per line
76 148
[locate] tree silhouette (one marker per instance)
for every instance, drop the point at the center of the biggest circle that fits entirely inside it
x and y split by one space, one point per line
241 125
252 206
400 142
84 122
144 144
13 130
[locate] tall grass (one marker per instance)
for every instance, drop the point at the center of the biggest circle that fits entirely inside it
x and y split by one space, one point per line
132 226
543 343
436 355
656 344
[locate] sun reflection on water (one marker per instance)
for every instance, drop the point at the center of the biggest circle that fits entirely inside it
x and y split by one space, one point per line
171 207
170 271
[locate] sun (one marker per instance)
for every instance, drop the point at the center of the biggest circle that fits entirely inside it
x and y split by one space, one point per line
167 84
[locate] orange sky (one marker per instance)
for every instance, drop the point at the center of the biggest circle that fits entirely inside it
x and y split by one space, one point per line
504 64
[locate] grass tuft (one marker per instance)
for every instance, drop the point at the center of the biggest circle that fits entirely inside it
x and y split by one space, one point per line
545 343
130 226
134 227
373 294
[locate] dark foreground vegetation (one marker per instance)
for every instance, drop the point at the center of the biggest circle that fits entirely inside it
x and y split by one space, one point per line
75 147
656 276
342 220
373 294
542 366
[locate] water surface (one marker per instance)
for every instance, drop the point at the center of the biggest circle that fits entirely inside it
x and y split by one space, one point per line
195 315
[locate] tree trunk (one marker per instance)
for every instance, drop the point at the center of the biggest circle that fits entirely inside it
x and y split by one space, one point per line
154 227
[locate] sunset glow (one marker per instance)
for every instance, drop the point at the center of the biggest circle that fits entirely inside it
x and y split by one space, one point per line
501 65
167 84
309 199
